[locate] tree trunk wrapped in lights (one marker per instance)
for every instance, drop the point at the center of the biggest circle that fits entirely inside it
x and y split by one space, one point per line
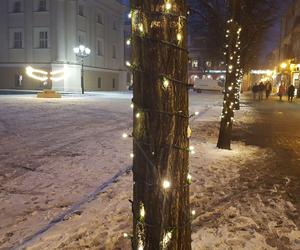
232 61
161 212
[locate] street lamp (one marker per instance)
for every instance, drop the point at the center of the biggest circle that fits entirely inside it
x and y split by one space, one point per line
82 52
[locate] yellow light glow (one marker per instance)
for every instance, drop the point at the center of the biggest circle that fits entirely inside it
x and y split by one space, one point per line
166 83
31 73
168 6
283 65
166 184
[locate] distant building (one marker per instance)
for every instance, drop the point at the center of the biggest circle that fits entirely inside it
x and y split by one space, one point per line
43 33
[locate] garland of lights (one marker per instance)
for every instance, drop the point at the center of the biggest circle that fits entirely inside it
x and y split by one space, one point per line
139 31
232 89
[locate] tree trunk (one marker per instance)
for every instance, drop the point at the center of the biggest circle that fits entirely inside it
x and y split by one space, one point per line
232 58
161 213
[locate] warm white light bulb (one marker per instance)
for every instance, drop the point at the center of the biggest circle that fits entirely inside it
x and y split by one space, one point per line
128 64
125 135
142 212
168 6
166 83
189 177
129 15
131 155
138 115
193 212
166 184
128 42
179 37
197 113
132 105
125 235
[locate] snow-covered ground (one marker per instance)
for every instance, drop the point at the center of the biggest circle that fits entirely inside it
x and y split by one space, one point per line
57 155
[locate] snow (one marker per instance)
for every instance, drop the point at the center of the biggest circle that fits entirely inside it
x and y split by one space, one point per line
55 156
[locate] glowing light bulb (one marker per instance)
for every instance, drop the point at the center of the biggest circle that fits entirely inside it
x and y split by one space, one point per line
193 212
168 6
129 15
131 155
132 105
166 83
141 28
189 177
125 135
125 235
138 115
128 64
179 37
128 42
142 212
197 113
166 184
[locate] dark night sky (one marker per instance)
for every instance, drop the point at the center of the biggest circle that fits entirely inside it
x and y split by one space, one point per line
272 37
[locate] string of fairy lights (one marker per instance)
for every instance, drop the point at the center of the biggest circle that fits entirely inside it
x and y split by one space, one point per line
234 73
139 31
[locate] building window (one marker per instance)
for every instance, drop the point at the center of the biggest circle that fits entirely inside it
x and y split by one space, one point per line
42 5
195 63
114 52
114 83
18 80
99 18
18 40
17 7
81 10
114 25
100 47
43 39
99 83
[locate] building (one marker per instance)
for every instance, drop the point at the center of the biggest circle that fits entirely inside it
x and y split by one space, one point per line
43 33
285 59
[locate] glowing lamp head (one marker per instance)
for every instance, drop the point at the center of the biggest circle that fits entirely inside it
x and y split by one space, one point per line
128 64
283 65
124 135
166 184
87 51
131 155
76 50
193 212
82 48
125 235
129 15
128 42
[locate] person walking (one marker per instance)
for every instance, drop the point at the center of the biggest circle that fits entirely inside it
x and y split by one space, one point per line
261 89
281 91
268 89
255 91
291 92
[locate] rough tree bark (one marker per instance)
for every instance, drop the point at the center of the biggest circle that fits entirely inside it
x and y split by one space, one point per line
224 141
161 216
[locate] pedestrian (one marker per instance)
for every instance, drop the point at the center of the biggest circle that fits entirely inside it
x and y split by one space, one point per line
281 91
268 89
261 90
255 91
291 92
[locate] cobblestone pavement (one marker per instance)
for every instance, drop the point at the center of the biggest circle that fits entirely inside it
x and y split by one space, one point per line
277 126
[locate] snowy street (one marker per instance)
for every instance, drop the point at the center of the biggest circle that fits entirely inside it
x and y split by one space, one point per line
64 184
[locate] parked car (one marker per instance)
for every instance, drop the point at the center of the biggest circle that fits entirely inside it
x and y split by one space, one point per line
209 85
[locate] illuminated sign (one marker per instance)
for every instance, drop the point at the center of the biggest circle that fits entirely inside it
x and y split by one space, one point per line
43 76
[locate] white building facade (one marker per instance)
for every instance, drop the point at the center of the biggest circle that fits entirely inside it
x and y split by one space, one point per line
43 33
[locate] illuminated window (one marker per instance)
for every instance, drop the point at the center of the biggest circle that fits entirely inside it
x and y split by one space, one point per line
195 63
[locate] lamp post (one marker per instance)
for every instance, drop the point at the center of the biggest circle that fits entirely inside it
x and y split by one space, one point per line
82 52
